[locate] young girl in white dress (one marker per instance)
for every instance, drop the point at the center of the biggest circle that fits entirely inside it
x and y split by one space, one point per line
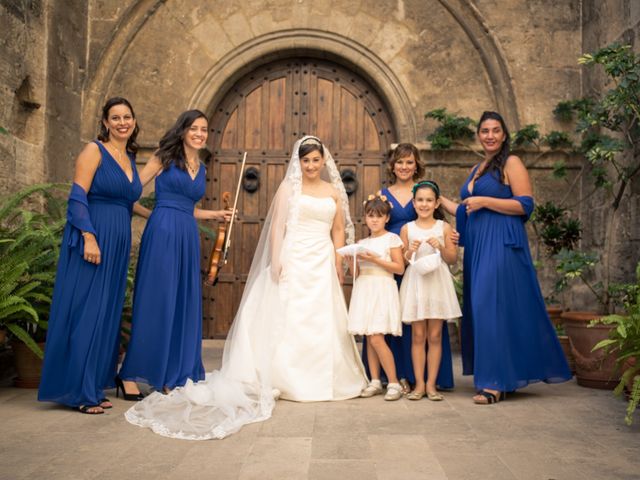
427 294
375 305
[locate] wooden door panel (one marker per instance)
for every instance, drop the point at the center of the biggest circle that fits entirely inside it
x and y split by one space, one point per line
263 114
253 120
276 119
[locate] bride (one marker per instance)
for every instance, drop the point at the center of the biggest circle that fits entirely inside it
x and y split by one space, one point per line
289 337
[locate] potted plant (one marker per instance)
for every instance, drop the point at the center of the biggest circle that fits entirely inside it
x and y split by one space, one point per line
593 369
611 146
557 231
31 222
623 342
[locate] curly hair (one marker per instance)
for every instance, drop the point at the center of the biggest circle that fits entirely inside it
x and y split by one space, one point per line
171 149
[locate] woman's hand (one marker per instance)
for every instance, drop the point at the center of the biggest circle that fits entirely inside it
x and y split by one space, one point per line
474 204
276 272
340 269
220 215
91 248
455 237
224 215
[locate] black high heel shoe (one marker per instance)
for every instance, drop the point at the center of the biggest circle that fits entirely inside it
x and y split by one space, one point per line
131 397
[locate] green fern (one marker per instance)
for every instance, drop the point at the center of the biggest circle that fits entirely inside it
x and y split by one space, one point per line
31 223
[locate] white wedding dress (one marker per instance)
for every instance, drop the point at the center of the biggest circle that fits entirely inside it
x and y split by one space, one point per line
289 337
315 358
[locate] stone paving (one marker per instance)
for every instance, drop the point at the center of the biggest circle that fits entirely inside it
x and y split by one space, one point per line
560 432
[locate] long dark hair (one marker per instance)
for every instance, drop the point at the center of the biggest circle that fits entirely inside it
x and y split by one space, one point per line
438 213
171 149
103 133
310 144
497 162
401 151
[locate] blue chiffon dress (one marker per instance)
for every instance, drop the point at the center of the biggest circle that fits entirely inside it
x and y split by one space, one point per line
508 340
401 346
81 352
166 328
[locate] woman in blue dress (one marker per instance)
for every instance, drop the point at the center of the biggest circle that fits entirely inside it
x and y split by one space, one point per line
166 336
507 338
82 345
405 168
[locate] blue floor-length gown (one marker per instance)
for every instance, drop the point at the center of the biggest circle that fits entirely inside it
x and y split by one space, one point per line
401 346
165 348
507 338
81 352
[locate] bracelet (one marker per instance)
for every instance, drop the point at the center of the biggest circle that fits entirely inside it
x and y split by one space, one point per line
84 234
404 255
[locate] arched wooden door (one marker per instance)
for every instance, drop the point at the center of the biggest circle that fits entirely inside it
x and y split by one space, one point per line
264 114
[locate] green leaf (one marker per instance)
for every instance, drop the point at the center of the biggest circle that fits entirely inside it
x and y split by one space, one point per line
25 338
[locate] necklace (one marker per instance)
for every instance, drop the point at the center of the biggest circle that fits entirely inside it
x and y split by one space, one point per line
192 170
117 157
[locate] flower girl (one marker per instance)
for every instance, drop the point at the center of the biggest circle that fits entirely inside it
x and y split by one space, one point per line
427 294
375 307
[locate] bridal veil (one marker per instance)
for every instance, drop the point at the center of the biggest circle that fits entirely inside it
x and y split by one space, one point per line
241 392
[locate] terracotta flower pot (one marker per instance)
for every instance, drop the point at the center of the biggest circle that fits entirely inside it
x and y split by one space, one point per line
593 369
28 365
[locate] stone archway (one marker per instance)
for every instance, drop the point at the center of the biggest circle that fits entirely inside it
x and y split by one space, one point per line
281 43
263 113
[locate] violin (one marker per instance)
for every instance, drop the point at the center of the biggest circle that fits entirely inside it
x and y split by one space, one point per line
219 254
217 258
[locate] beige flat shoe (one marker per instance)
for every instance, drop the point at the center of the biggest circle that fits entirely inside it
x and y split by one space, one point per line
435 396
416 395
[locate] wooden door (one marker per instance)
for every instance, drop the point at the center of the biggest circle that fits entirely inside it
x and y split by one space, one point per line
264 114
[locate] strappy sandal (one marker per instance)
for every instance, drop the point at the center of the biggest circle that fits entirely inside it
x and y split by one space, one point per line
102 404
491 398
87 409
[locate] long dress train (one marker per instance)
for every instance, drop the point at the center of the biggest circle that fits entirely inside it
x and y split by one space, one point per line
289 336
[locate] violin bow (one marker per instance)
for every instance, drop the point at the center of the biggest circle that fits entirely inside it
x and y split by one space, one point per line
227 243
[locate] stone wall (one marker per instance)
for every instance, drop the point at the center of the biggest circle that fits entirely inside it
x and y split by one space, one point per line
23 86
66 71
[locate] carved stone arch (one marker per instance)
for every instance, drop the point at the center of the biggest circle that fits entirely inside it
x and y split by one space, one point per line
492 56
371 67
132 21
315 43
